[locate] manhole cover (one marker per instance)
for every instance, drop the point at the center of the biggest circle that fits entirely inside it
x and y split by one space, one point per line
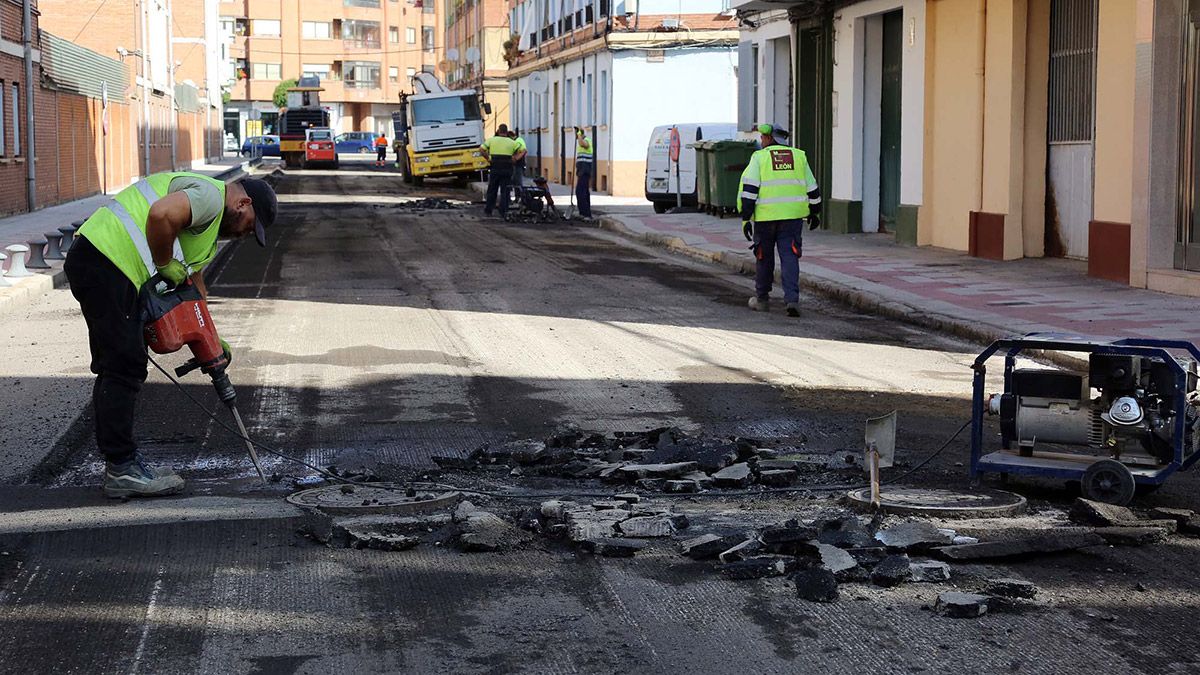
373 498
980 503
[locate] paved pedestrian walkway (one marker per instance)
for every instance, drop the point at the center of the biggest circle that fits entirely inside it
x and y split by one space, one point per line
976 298
23 227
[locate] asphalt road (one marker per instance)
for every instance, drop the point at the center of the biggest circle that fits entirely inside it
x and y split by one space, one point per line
371 335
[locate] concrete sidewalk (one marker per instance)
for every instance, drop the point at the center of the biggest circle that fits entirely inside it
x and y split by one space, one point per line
23 227
951 291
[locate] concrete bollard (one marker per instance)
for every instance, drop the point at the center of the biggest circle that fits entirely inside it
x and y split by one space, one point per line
68 234
53 251
36 261
16 261
3 279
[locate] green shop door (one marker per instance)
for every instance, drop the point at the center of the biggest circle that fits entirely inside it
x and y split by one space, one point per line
889 121
814 101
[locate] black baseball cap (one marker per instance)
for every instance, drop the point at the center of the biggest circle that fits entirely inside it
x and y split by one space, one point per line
266 207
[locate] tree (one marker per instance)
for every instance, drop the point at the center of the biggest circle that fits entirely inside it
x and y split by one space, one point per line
280 95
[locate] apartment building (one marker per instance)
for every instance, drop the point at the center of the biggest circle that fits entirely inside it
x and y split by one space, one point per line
364 51
618 68
477 40
171 85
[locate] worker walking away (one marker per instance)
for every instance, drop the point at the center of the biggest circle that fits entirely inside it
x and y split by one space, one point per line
499 151
518 179
167 226
381 148
584 161
777 193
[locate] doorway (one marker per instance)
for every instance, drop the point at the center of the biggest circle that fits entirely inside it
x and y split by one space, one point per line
1071 127
1187 230
781 82
813 99
881 86
559 166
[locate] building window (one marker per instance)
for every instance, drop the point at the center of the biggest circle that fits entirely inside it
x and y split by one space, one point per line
265 28
227 25
360 3
361 74
393 74
429 69
265 71
360 33
603 116
241 27
410 36
242 68
393 35
427 7
410 72
568 107
316 30
427 38
320 70
591 102
16 119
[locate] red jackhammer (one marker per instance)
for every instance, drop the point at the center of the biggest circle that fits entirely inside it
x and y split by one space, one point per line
178 318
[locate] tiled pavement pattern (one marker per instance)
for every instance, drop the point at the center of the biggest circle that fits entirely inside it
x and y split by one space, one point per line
990 298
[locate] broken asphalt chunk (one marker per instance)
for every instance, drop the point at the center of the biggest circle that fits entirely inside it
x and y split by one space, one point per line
758 567
735 476
747 549
707 546
1132 536
658 471
914 537
612 547
777 477
586 524
1180 516
378 541
929 571
1047 542
840 563
816 584
1088 512
681 486
787 533
483 531
1011 588
653 526
891 571
961 605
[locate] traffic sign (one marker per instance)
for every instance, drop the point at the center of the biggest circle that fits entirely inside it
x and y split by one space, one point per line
675 144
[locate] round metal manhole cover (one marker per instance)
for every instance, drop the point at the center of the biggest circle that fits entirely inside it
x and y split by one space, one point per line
373 498
979 503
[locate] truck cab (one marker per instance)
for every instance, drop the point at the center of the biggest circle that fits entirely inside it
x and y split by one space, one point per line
438 132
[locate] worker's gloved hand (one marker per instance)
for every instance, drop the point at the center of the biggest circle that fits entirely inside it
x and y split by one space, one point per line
748 230
814 221
174 272
228 351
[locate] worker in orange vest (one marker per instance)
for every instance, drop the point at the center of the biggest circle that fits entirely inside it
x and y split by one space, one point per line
381 148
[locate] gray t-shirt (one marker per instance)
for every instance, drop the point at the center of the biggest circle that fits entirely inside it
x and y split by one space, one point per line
205 198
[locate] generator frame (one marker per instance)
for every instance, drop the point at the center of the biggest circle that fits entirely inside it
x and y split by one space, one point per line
1062 465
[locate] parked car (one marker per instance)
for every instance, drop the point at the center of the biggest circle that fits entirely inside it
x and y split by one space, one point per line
660 170
265 146
355 141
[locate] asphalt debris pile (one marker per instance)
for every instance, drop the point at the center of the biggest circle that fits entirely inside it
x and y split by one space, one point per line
428 204
659 460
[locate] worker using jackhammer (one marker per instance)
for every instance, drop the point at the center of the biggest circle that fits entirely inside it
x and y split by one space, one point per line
499 151
777 193
165 225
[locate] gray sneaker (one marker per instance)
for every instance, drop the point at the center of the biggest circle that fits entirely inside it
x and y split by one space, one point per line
793 309
758 304
138 479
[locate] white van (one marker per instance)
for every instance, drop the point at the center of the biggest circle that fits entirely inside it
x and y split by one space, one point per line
660 170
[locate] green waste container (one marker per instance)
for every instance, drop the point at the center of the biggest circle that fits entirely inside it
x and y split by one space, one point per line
703 157
727 160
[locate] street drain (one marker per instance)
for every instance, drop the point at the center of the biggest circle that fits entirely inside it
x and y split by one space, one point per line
373 498
980 503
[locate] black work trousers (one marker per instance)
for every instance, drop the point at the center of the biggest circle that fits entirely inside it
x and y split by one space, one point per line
499 182
110 306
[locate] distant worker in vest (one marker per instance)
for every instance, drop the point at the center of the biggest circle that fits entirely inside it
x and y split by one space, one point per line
499 151
168 225
777 193
518 178
381 148
584 162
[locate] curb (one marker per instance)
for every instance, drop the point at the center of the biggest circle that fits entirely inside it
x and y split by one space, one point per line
848 296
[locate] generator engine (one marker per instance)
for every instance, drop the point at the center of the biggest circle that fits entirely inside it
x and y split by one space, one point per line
1123 407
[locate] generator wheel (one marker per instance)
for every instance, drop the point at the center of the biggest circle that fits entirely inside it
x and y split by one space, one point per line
1109 481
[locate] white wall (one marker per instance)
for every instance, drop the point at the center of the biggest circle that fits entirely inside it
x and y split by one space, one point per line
771 26
850 56
689 85
531 114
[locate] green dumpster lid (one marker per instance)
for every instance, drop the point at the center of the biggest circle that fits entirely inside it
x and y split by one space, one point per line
723 145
